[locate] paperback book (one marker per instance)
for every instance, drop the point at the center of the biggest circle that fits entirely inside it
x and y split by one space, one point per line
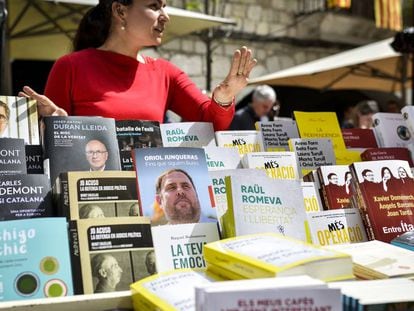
34 159
311 197
32 263
405 240
277 165
181 246
275 134
22 119
342 226
390 153
81 195
79 144
12 156
222 158
272 254
384 195
188 134
174 185
261 204
133 134
335 185
245 141
169 291
391 130
324 125
359 138
25 196
109 254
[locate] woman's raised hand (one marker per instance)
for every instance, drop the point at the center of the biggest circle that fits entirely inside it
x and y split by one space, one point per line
238 76
45 107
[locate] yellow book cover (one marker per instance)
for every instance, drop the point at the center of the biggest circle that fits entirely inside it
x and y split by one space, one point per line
320 125
172 290
347 157
245 141
271 255
223 273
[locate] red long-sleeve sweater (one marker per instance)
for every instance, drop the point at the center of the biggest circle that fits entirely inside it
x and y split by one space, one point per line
93 82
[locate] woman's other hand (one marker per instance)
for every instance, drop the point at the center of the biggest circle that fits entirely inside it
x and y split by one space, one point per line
237 78
45 107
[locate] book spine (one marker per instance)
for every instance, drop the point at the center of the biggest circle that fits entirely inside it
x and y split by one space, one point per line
63 200
75 258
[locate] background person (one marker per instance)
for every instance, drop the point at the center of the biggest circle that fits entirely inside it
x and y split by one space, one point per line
106 269
263 100
96 155
107 76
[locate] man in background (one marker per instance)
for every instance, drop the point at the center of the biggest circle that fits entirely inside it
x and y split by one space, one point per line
263 101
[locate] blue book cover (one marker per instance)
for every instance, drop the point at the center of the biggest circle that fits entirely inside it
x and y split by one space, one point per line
174 185
33 262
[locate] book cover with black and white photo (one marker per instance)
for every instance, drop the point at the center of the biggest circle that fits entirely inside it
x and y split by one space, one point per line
133 134
19 119
81 195
115 247
79 144
12 156
25 196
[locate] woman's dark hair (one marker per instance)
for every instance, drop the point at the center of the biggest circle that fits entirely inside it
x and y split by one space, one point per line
94 27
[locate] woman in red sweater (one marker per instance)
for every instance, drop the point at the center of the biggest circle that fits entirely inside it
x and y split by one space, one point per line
107 76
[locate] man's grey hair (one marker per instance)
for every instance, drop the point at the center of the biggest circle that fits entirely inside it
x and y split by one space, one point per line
263 93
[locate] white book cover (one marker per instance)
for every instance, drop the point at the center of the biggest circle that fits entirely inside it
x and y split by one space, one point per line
219 187
245 141
187 134
311 197
181 246
278 165
408 115
261 204
283 298
312 153
222 158
391 130
340 226
22 121
276 133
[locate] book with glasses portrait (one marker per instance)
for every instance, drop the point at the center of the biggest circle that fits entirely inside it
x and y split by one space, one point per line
108 254
19 119
79 144
100 194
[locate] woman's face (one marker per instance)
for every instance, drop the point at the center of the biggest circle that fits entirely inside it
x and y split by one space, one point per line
387 174
146 21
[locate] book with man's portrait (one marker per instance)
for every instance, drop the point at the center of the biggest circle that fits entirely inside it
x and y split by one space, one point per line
79 144
19 119
108 254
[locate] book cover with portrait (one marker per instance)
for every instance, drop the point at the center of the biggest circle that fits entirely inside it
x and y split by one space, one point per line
108 254
81 195
133 134
34 264
174 185
19 119
12 156
188 134
336 186
79 144
25 196
384 193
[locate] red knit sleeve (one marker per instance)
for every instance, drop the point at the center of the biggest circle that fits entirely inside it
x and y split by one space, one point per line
58 86
185 99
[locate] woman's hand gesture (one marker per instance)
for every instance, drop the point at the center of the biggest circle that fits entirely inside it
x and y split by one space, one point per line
45 107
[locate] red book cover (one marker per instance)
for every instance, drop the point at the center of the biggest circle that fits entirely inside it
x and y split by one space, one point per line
336 186
359 138
392 153
384 193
